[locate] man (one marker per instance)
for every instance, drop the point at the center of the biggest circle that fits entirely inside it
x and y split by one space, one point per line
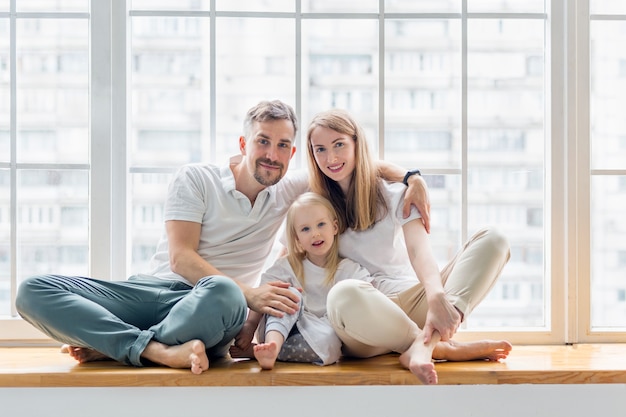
220 224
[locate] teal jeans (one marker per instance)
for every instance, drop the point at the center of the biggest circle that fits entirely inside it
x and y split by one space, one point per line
120 318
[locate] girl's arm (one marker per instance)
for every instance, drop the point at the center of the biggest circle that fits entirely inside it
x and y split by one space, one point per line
442 316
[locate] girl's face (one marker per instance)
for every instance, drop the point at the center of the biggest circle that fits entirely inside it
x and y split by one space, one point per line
315 232
334 154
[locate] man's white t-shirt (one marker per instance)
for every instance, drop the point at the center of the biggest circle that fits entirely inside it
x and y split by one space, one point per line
236 236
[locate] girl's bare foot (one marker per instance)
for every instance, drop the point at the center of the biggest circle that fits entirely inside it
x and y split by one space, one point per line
489 350
83 355
266 354
417 359
190 355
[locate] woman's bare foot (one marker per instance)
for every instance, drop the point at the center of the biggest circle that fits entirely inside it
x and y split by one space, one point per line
191 355
84 355
417 359
266 354
489 350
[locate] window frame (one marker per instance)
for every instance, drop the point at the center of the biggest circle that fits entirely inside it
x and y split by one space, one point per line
567 187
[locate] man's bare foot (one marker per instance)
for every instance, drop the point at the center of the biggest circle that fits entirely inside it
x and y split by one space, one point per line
489 350
190 355
266 354
417 359
84 355
237 353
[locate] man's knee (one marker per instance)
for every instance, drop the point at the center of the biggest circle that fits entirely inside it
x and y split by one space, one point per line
28 293
223 295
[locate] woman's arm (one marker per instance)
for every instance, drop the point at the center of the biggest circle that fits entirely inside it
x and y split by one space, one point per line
442 315
416 193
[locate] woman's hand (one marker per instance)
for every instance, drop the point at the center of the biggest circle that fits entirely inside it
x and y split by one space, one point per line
442 317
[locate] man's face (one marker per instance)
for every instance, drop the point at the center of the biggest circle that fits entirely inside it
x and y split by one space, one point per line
268 150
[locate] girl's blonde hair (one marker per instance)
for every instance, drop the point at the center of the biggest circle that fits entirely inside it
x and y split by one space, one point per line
296 254
364 202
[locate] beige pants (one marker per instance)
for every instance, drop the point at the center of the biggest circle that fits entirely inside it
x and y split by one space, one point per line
369 323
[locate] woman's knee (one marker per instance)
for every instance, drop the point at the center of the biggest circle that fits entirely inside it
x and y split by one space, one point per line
496 241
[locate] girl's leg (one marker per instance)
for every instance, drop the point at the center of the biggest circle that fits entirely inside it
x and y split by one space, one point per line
277 330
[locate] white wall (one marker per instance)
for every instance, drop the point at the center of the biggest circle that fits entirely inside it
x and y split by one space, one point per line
363 401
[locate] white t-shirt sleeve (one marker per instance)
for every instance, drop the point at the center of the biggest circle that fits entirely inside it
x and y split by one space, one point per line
186 197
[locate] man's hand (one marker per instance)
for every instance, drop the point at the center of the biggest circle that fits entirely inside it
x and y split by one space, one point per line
417 195
443 317
273 298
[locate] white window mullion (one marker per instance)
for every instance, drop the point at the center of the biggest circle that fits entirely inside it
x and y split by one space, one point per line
100 130
13 145
120 70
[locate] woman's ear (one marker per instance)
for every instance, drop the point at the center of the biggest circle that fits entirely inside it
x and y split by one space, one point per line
335 226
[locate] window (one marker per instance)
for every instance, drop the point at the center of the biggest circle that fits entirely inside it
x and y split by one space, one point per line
481 95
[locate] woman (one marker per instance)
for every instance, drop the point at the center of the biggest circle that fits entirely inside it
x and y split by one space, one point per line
410 307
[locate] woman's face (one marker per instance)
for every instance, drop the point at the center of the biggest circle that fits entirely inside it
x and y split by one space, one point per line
334 154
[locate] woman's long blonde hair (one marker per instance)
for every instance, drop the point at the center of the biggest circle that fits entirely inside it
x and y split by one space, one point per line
364 202
296 254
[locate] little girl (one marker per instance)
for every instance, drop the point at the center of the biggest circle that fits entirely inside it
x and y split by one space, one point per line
311 267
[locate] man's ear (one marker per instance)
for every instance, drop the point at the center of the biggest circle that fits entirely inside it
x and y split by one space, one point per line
293 151
242 145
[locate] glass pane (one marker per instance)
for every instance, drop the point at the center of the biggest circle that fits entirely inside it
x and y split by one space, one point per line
264 68
4 5
505 160
608 252
422 6
340 70
423 93
52 5
506 6
256 5
148 193
340 6
170 5
608 84
5 91
53 90
52 222
170 96
607 6
5 239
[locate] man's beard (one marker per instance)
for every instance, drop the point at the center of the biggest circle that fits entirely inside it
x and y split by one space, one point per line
267 179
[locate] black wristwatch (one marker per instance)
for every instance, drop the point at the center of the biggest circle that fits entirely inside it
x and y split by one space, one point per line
408 174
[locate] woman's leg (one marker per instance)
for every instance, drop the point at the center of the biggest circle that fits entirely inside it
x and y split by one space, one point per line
467 278
370 324
367 321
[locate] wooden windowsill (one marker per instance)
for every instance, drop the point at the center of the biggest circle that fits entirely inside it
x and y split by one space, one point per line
578 364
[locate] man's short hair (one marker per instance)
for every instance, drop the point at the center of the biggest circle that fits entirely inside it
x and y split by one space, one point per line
269 110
